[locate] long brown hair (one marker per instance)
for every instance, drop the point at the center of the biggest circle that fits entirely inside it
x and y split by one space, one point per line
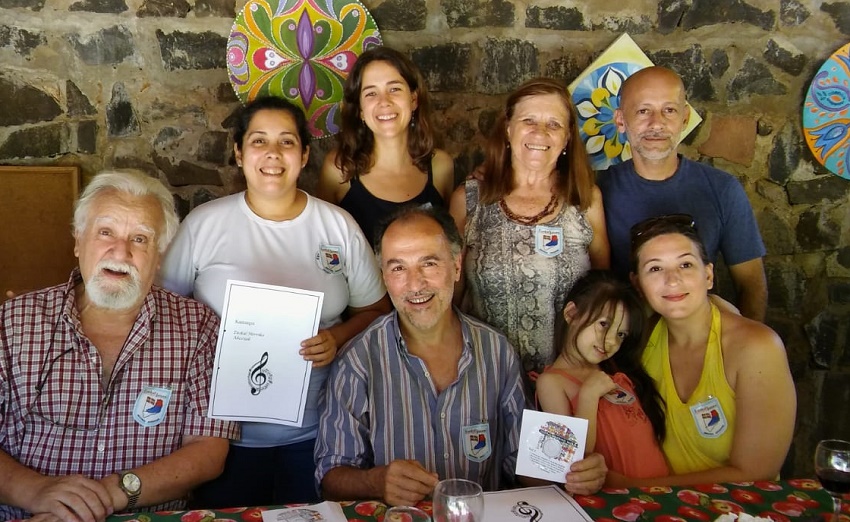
575 178
593 294
355 142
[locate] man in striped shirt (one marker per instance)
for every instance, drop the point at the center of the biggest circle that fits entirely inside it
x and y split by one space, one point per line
426 392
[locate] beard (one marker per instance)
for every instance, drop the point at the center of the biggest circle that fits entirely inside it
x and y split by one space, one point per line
111 294
639 148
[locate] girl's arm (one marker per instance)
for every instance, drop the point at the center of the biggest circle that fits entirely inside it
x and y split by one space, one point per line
552 396
595 386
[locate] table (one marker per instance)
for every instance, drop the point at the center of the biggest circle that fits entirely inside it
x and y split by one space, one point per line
796 500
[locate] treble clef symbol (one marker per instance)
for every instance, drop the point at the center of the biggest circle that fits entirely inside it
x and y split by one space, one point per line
525 510
258 376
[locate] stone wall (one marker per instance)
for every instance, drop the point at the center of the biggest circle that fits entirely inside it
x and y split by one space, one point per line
143 84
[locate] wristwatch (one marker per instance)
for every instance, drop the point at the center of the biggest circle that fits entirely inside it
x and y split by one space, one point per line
130 484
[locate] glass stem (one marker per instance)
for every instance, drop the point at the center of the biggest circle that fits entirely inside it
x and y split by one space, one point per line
836 509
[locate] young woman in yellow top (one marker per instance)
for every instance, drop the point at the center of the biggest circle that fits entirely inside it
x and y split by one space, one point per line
730 399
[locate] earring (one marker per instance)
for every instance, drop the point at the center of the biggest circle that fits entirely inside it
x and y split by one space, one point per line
564 152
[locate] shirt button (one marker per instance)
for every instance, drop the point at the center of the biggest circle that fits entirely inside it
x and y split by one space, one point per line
443 415
427 374
445 455
101 447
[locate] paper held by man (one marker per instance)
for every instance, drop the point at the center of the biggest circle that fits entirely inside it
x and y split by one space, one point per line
259 375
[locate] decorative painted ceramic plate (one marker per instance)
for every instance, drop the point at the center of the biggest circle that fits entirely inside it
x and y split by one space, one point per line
825 113
301 50
596 94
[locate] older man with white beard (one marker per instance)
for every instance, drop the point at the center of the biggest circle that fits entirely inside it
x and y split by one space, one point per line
104 380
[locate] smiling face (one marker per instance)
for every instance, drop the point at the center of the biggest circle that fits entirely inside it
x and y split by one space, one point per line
600 339
386 102
652 114
271 153
538 132
672 276
419 271
117 249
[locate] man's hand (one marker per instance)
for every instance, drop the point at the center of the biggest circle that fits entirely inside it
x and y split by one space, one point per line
586 476
320 349
406 482
72 498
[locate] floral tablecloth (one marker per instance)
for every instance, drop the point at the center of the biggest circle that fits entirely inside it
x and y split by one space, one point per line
796 500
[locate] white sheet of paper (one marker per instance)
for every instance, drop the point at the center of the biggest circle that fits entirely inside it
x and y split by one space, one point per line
548 444
259 375
538 503
330 511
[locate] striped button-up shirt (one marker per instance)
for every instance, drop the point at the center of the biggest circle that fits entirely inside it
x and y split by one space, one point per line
58 417
381 405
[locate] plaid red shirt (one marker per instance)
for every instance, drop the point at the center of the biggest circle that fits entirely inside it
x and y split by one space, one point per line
56 416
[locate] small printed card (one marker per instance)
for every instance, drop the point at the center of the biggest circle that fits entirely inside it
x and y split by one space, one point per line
548 444
326 511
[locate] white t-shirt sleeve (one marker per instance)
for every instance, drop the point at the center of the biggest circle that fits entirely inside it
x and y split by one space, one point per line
177 270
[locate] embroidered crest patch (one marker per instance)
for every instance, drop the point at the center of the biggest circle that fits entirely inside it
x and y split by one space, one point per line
151 406
476 442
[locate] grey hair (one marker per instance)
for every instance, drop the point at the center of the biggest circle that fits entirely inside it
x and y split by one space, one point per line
437 214
134 184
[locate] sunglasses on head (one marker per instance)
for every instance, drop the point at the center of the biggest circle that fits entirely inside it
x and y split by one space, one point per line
670 222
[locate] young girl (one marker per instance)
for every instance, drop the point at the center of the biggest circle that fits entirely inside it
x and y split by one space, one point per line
598 377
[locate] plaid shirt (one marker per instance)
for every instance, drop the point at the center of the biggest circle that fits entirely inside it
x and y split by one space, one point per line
56 415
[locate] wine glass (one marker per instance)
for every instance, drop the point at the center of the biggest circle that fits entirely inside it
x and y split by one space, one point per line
458 500
406 514
832 466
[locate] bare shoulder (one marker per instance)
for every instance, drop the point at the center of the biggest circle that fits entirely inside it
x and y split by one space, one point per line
331 187
443 169
746 341
551 383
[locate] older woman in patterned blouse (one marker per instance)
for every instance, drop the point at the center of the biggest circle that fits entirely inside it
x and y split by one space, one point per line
534 224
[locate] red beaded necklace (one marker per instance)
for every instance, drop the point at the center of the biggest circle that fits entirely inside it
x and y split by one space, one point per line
530 220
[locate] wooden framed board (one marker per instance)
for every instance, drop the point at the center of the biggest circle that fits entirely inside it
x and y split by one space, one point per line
36 209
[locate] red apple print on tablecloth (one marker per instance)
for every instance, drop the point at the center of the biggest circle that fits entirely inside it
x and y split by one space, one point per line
724 506
669 518
792 509
765 485
590 501
711 489
746 497
198 515
369 508
804 500
693 513
694 498
776 517
646 502
628 512
807 484
657 490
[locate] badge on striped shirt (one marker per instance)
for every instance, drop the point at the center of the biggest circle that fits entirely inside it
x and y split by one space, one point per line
151 406
476 442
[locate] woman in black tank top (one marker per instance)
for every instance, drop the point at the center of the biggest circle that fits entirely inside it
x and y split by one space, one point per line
385 156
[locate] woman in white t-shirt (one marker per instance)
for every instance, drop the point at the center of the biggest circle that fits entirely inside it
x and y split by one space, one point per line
274 233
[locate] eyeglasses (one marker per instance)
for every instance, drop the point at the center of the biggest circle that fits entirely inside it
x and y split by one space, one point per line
668 223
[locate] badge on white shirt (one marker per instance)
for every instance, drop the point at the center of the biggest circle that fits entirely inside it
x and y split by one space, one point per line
151 406
548 241
330 258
